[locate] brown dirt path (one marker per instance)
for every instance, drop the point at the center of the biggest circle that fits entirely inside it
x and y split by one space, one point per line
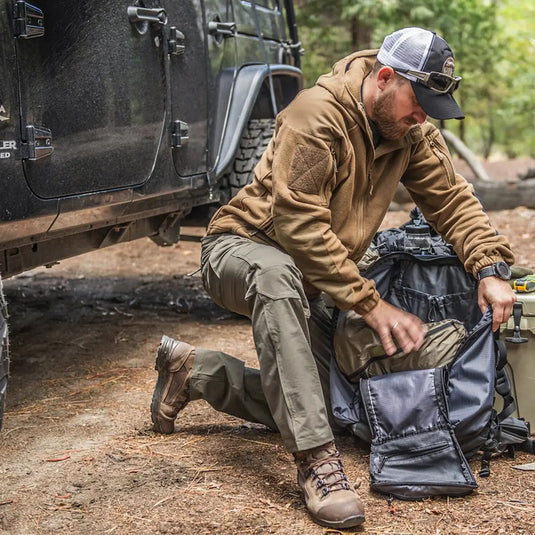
77 451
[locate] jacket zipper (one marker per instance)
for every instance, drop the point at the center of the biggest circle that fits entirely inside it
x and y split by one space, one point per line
443 160
335 165
370 182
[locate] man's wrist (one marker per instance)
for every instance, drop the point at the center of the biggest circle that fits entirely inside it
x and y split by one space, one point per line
499 269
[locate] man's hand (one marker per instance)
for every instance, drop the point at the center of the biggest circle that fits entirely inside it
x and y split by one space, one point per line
498 294
388 320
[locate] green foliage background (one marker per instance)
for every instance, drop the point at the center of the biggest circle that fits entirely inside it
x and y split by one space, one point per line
494 46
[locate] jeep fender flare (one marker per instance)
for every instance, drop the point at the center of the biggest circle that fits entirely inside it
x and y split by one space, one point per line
245 99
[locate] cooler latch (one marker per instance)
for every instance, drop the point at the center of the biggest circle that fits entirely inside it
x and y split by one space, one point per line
517 316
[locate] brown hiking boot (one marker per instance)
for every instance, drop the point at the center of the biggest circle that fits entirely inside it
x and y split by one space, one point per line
171 393
329 498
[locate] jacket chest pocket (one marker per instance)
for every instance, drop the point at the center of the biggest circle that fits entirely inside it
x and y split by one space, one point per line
444 160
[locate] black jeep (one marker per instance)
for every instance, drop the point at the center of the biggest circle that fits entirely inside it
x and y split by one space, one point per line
120 120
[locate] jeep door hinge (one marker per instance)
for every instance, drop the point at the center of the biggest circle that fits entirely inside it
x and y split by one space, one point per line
176 42
38 143
28 20
179 134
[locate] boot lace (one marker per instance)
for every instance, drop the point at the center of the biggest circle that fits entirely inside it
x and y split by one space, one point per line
328 473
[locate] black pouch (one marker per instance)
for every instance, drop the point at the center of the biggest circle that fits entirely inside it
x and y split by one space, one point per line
513 431
425 459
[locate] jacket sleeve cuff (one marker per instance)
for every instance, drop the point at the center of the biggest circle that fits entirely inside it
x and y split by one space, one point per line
486 262
367 304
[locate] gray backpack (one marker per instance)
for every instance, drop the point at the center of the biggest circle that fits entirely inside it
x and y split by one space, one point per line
424 421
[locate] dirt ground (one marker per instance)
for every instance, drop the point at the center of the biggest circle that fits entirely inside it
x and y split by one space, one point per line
77 453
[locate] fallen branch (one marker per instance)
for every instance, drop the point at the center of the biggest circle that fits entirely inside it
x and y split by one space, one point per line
127 314
517 506
163 500
467 155
493 195
57 459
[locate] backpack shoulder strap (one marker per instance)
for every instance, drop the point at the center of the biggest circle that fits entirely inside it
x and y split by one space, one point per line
503 384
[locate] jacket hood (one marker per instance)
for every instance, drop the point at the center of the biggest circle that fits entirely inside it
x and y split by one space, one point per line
345 80
344 83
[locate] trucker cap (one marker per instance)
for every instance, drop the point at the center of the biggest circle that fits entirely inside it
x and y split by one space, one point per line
427 61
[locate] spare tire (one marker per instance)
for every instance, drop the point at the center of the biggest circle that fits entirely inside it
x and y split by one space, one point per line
254 141
4 353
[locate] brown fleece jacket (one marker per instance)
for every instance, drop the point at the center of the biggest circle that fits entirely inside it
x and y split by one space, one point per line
321 190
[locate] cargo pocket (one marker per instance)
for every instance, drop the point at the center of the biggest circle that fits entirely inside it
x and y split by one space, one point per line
225 273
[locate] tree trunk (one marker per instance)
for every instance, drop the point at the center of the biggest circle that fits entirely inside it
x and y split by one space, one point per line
361 34
466 154
489 139
506 195
462 130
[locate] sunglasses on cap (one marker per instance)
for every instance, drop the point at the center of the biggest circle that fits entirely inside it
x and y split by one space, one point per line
436 81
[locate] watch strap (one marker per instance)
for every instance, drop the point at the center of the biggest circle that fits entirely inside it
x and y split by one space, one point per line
489 271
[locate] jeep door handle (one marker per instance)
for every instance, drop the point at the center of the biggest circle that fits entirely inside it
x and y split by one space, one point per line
144 14
224 29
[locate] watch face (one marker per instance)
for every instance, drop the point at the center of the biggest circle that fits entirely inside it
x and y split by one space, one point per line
503 270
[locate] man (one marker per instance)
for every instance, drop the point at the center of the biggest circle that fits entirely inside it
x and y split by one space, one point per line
319 194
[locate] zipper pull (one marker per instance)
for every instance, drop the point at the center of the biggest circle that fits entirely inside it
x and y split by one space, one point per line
370 181
436 150
335 165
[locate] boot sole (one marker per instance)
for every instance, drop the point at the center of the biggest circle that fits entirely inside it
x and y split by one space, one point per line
350 522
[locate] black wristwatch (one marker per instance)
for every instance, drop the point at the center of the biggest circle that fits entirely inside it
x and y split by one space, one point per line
499 269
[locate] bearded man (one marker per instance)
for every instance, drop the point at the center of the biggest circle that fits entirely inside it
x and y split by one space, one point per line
298 231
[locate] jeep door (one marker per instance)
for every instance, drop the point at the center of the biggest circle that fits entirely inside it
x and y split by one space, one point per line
186 29
93 94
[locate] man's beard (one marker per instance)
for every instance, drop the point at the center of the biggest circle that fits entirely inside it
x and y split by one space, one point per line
389 128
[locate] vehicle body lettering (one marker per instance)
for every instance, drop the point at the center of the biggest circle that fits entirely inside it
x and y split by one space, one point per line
8 145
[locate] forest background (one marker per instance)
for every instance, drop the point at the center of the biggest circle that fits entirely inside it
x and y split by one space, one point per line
494 46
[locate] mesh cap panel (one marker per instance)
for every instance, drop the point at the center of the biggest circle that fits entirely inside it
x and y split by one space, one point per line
406 49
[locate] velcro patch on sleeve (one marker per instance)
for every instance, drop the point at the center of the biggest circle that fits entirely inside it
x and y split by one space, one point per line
309 168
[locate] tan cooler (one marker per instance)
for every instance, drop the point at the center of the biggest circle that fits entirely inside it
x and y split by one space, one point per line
521 359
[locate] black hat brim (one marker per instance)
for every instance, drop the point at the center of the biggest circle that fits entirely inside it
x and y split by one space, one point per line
437 105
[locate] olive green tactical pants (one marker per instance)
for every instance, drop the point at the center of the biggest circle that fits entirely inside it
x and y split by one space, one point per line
292 338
